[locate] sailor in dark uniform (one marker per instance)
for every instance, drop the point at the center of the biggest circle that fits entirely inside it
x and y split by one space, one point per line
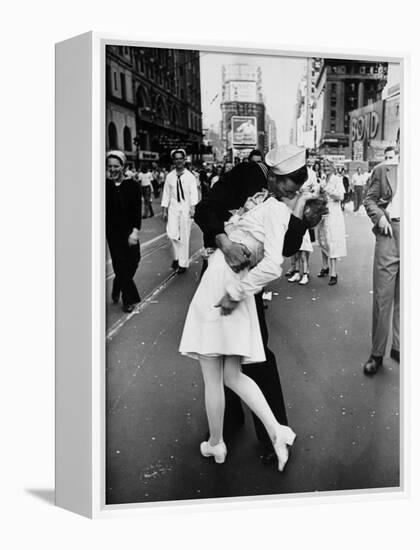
229 193
123 222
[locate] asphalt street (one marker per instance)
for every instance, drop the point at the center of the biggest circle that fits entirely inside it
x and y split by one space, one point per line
347 425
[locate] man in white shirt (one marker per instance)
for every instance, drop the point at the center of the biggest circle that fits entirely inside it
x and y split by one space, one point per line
383 206
145 178
179 198
357 185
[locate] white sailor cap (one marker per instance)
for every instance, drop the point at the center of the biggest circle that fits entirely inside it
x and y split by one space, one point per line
182 151
286 159
117 154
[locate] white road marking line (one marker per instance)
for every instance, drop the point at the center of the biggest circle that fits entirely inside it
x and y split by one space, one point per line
115 328
142 253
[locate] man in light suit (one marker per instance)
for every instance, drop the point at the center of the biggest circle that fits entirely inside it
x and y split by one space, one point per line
383 205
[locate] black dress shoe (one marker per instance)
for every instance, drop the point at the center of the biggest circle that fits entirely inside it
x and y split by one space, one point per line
395 354
333 280
115 297
372 365
174 264
128 308
182 270
324 271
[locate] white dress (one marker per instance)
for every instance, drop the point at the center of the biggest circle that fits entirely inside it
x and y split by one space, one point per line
206 331
331 230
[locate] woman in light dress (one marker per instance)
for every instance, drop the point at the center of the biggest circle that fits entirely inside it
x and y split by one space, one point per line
299 270
331 230
222 330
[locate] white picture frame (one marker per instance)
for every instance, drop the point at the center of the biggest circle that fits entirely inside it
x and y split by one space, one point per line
80 277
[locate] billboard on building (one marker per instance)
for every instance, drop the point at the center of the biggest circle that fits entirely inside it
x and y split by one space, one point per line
241 71
241 91
244 130
366 126
392 120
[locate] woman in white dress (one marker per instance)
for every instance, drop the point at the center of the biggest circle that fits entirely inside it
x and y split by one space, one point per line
222 330
331 230
301 260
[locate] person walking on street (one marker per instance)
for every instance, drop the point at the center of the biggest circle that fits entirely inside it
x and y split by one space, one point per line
301 258
145 178
123 223
179 198
346 185
357 185
383 206
229 193
331 230
155 180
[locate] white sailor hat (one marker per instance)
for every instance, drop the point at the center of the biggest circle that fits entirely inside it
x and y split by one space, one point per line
178 151
117 154
285 159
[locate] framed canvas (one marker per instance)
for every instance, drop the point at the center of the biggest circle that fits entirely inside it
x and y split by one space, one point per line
173 124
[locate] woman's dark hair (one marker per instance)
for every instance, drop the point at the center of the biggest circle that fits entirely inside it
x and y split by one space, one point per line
299 176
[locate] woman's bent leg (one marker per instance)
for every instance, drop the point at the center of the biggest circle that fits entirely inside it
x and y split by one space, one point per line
214 396
249 392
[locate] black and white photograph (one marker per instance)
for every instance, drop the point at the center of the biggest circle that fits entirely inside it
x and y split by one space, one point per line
252 274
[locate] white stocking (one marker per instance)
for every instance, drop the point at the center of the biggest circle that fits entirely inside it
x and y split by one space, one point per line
249 392
214 396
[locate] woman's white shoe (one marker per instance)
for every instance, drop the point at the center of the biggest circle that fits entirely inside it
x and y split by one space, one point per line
304 280
294 278
218 451
284 438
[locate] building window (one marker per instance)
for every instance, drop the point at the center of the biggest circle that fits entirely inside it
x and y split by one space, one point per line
108 80
128 144
123 90
115 81
112 136
142 64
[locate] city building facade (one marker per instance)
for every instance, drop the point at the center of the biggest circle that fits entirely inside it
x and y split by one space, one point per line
330 90
342 86
153 103
243 110
375 127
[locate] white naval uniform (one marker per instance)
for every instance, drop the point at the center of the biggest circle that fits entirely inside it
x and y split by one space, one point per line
179 201
206 330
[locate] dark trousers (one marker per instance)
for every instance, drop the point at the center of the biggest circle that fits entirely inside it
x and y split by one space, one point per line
156 189
147 201
357 197
125 260
266 376
386 291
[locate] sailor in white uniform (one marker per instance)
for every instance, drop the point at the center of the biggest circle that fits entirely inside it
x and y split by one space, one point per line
179 198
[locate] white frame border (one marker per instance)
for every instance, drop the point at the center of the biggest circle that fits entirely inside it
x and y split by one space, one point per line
96 408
